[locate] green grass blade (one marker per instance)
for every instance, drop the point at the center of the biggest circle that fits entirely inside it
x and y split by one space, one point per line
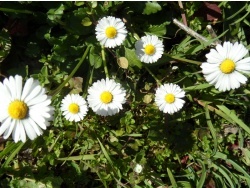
58 89
77 158
219 181
211 128
203 174
171 177
238 168
13 153
104 151
225 175
233 116
218 112
8 149
197 87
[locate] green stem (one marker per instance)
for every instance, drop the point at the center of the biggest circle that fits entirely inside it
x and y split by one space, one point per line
151 73
183 59
90 78
16 11
105 63
58 89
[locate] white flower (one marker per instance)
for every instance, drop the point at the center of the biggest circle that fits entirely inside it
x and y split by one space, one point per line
23 109
138 168
149 49
74 107
110 31
224 66
106 97
175 67
168 98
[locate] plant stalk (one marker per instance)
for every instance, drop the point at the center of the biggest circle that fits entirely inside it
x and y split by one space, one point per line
58 89
104 62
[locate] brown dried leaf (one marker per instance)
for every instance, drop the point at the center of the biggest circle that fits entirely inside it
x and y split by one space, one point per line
123 62
209 11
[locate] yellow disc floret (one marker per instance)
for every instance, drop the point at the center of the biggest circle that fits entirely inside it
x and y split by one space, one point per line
18 109
106 97
74 108
111 32
169 98
227 66
149 49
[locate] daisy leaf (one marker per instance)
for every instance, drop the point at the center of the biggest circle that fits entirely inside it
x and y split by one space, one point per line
158 30
132 58
151 8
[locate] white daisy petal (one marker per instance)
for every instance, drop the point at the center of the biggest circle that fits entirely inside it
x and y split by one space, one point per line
173 103
113 96
74 107
27 88
5 125
22 132
9 130
16 132
18 85
36 128
224 64
18 108
29 131
110 31
149 49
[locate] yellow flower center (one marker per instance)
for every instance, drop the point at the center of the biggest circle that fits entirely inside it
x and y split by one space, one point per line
73 108
106 97
169 98
149 49
111 32
227 66
18 109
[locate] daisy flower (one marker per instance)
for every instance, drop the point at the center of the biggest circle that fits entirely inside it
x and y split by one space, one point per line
106 97
225 65
168 98
74 107
110 31
149 49
25 110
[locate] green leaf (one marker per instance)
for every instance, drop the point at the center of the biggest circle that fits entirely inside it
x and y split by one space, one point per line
95 59
79 3
56 14
159 30
51 182
86 21
151 8
132 58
